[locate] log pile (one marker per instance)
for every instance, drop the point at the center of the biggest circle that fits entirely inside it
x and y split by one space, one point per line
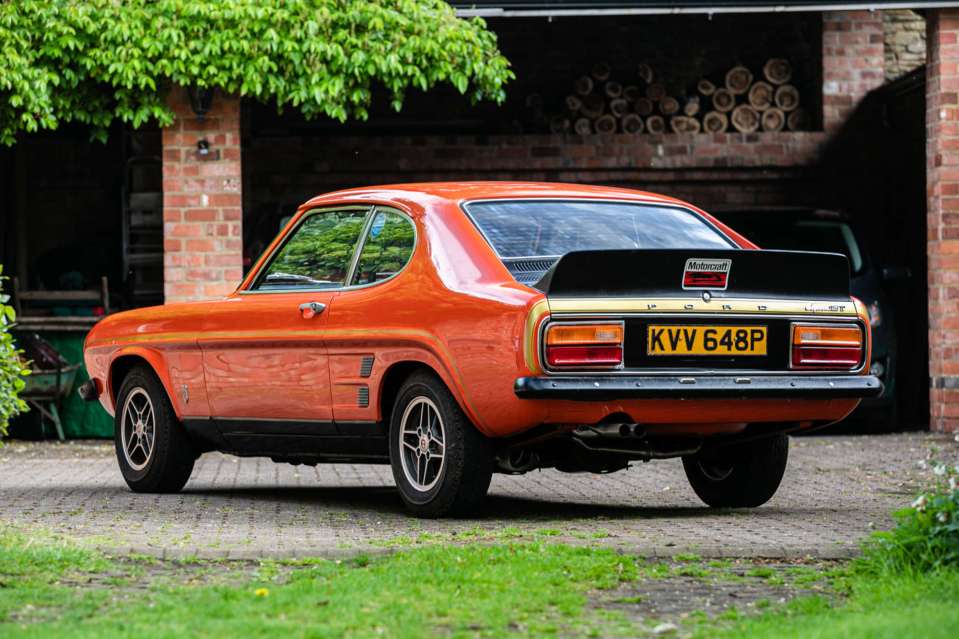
742 100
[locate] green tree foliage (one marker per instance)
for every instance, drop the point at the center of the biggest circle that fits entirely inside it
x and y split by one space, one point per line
12 369
96 61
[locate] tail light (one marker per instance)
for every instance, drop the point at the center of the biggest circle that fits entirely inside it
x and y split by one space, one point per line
584 345
827 346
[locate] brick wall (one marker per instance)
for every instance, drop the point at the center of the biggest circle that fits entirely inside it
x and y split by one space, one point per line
852 62
202 215
942 174
710 170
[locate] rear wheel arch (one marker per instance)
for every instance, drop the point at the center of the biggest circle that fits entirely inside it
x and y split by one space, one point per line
399 372
393 380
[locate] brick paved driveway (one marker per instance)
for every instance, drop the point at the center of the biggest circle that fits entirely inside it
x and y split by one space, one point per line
835 490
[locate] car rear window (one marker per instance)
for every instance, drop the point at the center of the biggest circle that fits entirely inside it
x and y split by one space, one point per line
554 228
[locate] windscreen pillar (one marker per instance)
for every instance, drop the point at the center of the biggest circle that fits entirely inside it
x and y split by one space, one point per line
202 182
942 187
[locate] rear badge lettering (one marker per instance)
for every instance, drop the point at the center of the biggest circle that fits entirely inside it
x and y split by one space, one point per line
825 308
702 273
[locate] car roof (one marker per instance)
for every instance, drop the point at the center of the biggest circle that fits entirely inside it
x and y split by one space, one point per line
424 192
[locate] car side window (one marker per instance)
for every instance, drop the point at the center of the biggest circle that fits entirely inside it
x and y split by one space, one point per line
387 249
317 255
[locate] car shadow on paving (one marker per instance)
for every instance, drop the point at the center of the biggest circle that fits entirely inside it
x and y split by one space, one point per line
361 499
385 499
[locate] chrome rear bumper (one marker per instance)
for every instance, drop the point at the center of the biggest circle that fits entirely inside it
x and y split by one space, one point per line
605 388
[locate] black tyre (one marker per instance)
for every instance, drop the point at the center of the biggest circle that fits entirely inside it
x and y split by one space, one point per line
442 465
743 476
153 450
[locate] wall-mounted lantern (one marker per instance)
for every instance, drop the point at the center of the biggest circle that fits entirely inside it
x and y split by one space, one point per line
201 100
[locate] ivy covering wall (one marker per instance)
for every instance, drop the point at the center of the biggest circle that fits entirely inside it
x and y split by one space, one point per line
97 61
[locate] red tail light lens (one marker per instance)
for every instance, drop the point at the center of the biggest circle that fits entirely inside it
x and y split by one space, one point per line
826 357
584 345
827 346
584 355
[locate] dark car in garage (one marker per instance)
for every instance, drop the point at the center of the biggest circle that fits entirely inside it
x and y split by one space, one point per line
810 229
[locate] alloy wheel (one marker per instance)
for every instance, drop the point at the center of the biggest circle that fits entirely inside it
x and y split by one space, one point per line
422 444
138 429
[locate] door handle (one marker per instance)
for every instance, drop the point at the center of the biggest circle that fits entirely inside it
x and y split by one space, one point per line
309 310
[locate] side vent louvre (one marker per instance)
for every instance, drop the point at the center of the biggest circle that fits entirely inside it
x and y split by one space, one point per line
366 366
363 397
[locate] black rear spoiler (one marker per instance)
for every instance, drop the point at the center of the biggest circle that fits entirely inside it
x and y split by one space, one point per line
659 273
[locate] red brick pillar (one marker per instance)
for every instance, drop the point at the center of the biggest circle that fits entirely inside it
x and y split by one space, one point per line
852 62
202 215
942 188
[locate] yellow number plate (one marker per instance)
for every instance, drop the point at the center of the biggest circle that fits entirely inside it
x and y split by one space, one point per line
706 340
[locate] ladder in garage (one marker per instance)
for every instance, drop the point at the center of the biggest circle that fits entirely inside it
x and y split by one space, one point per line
142 218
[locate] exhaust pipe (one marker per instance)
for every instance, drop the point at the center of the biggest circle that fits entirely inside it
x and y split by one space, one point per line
89 390
611 430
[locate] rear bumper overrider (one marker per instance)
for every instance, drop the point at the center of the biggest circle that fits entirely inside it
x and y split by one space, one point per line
613 387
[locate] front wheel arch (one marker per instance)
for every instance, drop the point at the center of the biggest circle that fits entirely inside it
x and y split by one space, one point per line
126 361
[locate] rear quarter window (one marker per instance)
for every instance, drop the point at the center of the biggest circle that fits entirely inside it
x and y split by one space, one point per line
387 248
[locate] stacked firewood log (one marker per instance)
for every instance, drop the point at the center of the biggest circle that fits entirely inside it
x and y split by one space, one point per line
742 101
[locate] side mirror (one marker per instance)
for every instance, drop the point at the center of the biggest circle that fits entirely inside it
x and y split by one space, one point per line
896 273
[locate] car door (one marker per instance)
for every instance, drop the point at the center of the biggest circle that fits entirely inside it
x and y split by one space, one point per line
264 350
364 318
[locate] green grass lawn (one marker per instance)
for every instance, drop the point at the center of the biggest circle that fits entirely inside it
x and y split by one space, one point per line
533 589
49 588
924 606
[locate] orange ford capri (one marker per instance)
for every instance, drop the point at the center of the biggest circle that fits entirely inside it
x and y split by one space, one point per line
457 330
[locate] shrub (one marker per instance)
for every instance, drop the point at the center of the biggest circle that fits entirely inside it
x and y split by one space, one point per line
926 536
12 368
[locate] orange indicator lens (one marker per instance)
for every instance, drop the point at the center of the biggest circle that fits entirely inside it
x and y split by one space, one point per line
563 334
827 336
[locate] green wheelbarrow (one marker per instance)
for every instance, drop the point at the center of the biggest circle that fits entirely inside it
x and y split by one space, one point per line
45 389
